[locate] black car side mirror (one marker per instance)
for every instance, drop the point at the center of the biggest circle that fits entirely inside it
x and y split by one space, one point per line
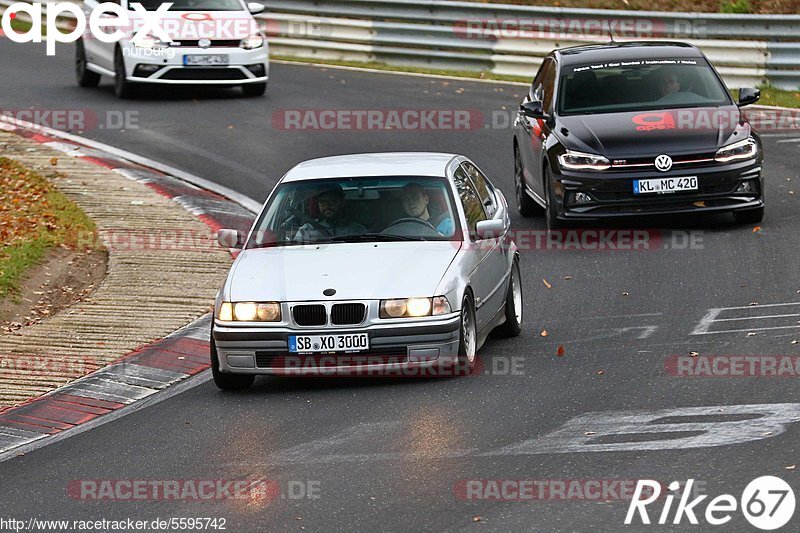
748 96
533 109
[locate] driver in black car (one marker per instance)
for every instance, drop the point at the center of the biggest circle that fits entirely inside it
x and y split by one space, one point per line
415 203
668 82
332 222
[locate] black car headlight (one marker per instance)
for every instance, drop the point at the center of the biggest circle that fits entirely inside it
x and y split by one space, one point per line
570 160
746 149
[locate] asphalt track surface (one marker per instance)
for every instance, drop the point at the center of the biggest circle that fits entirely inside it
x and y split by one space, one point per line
390 454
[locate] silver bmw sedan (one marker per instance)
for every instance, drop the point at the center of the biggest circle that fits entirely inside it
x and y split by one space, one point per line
368 264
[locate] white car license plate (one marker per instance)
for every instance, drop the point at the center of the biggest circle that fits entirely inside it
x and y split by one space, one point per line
665 185
209 59
354 342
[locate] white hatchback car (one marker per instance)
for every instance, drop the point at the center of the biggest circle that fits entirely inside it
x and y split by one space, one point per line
212 42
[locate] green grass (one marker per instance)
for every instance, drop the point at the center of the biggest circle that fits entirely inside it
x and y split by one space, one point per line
777 97
39 217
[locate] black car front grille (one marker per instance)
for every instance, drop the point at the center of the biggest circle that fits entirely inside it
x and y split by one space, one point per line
347 314
310 315
683 162
611 196
376 356
203 74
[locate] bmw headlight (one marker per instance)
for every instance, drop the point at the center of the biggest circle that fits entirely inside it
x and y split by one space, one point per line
414 307
249 312
254 41
746 149
580 161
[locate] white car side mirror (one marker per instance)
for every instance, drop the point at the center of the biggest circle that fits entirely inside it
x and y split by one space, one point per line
490 229
229 238
255 8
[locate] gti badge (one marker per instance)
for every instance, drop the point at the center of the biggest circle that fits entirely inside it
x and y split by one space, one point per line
663 163
204 43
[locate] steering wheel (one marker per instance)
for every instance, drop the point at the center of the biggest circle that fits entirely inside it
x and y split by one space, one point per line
305 219
412 220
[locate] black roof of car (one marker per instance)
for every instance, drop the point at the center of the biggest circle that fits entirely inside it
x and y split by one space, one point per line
629 51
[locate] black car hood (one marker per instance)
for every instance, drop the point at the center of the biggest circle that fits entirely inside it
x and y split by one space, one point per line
673 131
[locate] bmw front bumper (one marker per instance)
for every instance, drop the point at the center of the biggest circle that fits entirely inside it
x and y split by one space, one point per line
395 349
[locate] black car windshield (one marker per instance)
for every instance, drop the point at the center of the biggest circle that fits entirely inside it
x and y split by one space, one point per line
190 5
639 85
368 209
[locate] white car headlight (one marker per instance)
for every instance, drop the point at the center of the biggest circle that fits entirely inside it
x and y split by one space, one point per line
254 41
746 149
249 312
414 307
580 161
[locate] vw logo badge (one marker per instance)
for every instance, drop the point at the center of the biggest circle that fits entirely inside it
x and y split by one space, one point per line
663 163
205 43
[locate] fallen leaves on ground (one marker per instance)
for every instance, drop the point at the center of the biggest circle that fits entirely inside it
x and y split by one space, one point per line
546 283
560 351
544 333
756 229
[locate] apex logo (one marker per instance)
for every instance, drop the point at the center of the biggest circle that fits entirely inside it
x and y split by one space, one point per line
654 121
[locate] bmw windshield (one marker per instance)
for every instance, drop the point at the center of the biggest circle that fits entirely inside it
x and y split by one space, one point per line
357 210
639 85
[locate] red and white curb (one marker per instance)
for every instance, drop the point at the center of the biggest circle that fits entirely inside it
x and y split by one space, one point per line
151 368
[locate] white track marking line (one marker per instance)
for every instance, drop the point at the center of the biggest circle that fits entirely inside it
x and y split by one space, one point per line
706 322
755 328
754 317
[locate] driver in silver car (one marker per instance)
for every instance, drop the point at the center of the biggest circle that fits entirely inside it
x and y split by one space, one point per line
416 205
332 222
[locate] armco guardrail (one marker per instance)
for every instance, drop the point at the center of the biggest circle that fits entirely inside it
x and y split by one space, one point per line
512 40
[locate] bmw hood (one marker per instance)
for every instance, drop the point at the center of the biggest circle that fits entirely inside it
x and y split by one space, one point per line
355 271
673 131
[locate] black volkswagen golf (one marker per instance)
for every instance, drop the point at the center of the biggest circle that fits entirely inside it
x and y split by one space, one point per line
639 128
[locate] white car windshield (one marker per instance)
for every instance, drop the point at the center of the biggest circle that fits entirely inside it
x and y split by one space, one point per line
357 210
190 5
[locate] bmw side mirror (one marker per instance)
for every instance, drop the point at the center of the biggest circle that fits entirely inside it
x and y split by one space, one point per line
490 229
533 109
255 8
748 95
230 238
